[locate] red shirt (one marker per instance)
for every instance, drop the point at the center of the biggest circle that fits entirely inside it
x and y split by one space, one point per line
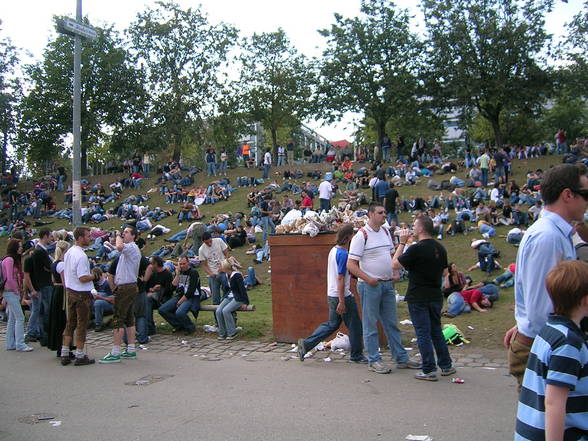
307 202
472 296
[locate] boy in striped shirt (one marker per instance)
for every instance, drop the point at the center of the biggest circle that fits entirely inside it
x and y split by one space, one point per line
553 404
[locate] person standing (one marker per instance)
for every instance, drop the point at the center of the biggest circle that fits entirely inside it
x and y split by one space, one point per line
370 259
547 242
57 316
210 159
426 263
561 142
390 200
484 162
281 156
40 286
246 149
13 276
223 161
267 163
267 224
125 292
78 285
326 192
211 253
342 306
290 151
146 164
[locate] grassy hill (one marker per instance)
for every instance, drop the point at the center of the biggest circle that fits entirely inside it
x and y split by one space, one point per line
488 329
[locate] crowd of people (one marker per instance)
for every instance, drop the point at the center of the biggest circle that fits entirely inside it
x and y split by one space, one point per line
475 195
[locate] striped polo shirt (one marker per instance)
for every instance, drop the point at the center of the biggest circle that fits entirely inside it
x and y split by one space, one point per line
559 356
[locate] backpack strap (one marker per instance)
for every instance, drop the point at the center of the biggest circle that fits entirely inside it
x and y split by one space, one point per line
365 234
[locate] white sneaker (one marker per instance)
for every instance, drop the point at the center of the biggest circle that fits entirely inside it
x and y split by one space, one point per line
379 368
439 237
26 349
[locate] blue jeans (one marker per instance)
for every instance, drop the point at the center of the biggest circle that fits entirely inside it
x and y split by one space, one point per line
178 316
101 308
211 168
222 168
281 160
224 317
178 236
352 321
141 327
506 278
250 280
266 224
456 304
426 319
266 169
484 176
215 283
34 325
325 204
392 217
490 290
15 326
379 303
60 186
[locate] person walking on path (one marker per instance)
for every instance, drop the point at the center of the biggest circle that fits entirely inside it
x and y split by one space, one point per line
125 292
342 306
370 259
426 263
547 242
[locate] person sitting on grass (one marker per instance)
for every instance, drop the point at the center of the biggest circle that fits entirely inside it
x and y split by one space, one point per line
552 403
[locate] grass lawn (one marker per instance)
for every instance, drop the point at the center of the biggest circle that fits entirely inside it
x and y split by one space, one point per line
488 329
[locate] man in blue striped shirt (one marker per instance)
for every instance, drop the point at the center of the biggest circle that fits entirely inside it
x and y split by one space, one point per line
553 404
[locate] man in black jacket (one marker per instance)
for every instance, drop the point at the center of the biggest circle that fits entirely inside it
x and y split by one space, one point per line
40 285
186 298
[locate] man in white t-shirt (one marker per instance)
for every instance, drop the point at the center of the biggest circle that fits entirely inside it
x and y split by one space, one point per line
342 306
78 284
370 259
211 253
267 163
326 192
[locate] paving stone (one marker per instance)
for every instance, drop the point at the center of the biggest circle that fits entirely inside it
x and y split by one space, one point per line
483 360
496 365
465 360
475 355
475 364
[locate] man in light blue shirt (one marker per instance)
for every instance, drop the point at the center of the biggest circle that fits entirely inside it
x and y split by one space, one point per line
549 241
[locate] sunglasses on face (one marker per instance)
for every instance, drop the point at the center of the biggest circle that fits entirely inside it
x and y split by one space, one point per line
581 192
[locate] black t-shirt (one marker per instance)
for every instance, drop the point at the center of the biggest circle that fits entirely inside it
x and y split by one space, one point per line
38 265
164 279
425 262
391 196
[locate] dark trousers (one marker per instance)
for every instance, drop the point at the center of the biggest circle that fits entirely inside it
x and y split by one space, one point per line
426 319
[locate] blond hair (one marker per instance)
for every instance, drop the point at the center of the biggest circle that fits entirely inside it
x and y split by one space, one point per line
60 249
226 266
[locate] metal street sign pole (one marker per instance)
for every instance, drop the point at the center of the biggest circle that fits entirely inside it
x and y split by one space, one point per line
76 166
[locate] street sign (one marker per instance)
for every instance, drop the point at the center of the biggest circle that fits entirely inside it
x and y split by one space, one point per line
73 27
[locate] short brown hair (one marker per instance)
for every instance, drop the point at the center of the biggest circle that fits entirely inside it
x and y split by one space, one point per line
427 223
344 233
560 177
567 285
80 232
373 205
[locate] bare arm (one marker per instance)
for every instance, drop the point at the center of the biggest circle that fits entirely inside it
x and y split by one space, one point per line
119 242
555 412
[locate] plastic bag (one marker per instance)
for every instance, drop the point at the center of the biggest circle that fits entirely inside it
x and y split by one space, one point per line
341 341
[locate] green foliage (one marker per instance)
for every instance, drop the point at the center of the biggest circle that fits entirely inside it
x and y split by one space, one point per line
10 94
567 112
276 81
182 54
487 55
371 65
111 93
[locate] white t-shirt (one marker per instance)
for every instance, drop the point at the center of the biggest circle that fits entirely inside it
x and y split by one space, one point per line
214 254
325 190
76 265
267 158
494 195
336 265
375 254
127 269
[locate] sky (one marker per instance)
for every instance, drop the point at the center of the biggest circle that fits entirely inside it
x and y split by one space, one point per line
29 23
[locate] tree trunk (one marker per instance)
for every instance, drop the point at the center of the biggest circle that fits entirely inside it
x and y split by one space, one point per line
497 132
381 131
4 145
274 132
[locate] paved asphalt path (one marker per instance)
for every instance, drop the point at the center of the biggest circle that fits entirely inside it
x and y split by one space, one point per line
246 398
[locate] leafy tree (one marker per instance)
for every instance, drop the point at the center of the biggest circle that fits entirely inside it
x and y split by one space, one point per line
371 65
182 55
488 55
277 82
10 94
111 93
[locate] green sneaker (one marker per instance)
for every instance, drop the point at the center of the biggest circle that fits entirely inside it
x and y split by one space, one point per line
110 359
128 355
